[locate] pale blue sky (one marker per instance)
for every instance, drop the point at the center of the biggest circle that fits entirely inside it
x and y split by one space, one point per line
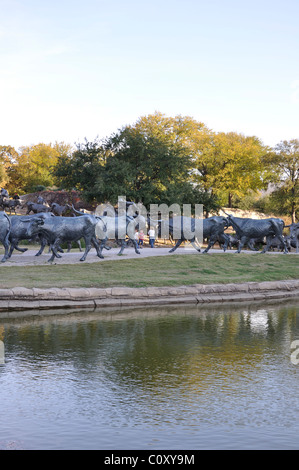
72 69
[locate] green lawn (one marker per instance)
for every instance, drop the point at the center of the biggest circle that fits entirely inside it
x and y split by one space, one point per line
172 270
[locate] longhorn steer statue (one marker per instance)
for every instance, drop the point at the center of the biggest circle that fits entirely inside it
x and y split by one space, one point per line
247 229
189 229
59 210
4 193
36 208
294 236
4 234
117 228
57 230
19 231
10 204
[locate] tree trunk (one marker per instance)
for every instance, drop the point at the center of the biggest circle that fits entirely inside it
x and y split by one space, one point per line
230 197
293 215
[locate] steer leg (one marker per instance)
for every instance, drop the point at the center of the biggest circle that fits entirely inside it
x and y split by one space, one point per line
285 246
211 243
102 245
87 248
178 243
98 247
124 244
22 250
6 247
122 247
52 257
42 246
135 246
14 246
268 244
243 241
224 239
195 245
69 246
54 248
251 245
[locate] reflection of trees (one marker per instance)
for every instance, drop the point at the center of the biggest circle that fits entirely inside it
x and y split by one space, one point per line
186 345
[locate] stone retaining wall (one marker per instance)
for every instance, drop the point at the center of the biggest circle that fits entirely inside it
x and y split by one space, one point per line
23 299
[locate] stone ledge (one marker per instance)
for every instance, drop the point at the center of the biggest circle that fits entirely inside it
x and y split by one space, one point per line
20 298
22 293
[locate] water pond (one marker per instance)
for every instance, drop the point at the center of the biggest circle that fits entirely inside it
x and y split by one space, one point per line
218 377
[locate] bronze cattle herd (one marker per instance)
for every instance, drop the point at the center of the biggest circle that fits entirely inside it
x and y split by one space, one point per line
52 228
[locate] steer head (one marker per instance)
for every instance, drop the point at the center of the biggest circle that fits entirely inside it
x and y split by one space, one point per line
34 225
294 231
230 221
226 222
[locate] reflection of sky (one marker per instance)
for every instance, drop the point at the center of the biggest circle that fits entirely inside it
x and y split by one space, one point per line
2 352
259 321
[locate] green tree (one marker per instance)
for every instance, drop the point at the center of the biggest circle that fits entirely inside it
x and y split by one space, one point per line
145 166
230 165
284 163
33 165
3 174
7 157
83 170
152 160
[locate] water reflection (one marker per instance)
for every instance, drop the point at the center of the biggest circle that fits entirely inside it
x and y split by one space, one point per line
173 377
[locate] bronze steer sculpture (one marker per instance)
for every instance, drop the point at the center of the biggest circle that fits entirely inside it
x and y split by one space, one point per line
189 229
56 230
118 228
59 210
10 204
247 229
294 236
4 234
4 193
36 208
19 231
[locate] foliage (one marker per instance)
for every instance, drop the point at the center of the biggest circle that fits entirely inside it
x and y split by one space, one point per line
82 170
3 174
147 163
284 163
32 166
152 162
230 165
7 156
161 159
248 202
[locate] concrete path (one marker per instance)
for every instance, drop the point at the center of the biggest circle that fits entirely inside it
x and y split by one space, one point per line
29 258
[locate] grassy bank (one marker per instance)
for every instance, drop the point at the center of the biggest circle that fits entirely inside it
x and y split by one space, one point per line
156 271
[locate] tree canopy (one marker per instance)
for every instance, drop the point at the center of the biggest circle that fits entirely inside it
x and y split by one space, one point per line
160 159
284 163
149 162
31 166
